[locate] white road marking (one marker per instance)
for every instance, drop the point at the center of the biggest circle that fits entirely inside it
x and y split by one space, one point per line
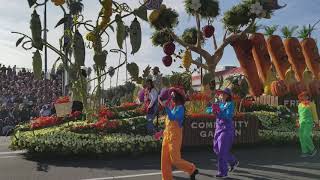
131 176
13 152
6 157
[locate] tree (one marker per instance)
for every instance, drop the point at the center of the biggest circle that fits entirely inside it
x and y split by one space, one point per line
237 21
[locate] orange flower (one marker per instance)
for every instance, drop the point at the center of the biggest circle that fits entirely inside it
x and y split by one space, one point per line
61 100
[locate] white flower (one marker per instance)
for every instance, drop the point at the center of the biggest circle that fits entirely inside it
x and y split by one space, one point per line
133 128
195 5
256 9
130 122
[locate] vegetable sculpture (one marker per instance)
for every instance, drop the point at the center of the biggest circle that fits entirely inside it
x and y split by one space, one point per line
242 48
261 55
312 57
79 49
37 64
135 35
35 26
294 52
187 59
277 52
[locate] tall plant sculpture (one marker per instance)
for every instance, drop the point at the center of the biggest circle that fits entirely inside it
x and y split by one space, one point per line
72 48
238 21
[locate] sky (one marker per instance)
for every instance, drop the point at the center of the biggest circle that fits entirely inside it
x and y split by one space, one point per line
15 16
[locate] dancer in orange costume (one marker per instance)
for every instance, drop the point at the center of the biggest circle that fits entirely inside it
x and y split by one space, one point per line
172 138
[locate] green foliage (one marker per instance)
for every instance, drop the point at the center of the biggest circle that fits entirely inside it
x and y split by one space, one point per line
62 142
278 119
288 32
276 138
239 85
133 70
255 28
75 6
206 79
181 79
159 38
239 15
190 36
208 9
168 18
270 30
113 95
305 32
111 71
166 81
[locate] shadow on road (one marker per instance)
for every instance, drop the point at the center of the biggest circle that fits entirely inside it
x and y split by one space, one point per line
255 163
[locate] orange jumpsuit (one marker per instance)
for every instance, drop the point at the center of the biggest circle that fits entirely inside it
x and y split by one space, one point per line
171 145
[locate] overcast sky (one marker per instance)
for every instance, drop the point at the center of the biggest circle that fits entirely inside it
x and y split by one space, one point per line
15 16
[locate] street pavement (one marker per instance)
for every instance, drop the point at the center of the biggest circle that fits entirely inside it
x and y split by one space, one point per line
279 163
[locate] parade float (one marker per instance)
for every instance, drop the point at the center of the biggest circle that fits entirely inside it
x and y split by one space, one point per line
271 66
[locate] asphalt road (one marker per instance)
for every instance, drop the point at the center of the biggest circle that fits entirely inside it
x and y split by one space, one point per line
282 163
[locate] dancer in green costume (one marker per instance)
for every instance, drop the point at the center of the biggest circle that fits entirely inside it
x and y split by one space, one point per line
307 117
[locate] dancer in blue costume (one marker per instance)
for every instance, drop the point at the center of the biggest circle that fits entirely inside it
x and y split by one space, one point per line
224 134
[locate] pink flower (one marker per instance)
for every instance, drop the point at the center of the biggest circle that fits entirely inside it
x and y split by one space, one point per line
158 135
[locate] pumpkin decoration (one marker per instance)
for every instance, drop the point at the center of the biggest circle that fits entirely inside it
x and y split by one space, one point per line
297 88
208 31
314 87
279 88
153 4
167 61
169 48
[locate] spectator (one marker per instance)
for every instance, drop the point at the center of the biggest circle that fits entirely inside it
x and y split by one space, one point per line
22 96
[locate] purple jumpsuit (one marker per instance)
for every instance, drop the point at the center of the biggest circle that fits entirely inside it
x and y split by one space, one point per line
223 138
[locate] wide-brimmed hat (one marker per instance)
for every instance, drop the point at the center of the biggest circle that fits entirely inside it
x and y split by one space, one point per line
178 90
225 91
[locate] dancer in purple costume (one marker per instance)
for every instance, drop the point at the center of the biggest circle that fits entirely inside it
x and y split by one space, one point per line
224 134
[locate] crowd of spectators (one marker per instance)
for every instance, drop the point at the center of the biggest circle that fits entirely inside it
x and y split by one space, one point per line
23 97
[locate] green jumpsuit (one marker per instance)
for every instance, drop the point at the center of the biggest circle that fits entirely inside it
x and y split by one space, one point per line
307 117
